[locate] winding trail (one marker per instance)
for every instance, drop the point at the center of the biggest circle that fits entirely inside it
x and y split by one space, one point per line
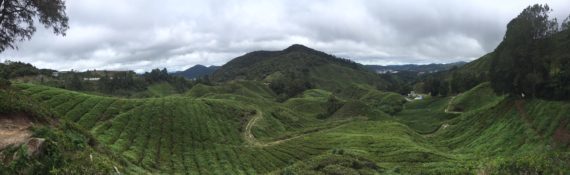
523 114
444 125
449 105
250 138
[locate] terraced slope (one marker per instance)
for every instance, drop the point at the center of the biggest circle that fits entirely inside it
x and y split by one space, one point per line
232 132
475 98
148 132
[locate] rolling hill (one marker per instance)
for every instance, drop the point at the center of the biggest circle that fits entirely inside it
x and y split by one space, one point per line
340 118
298 62
237 128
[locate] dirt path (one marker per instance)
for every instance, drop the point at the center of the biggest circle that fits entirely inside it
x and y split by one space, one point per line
519 105
14 129
449 105
444 125
247 134
441 127
250 138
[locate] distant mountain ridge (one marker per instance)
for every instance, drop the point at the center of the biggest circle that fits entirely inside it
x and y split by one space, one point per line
428 68
196 71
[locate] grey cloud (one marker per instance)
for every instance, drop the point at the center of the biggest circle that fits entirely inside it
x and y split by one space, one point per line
144 34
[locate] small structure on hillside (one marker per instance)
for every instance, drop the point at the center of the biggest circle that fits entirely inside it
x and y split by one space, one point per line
413 95
91 79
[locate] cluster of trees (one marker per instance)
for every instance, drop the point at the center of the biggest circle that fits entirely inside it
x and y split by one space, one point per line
290 85
401 82
332 105
533 58
329 57
110 82
346 62
125 81
158 75
14 69
74 82
451 82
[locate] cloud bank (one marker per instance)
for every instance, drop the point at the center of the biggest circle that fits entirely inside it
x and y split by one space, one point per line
177 34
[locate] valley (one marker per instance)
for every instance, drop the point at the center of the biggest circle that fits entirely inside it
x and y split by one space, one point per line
292 111
229 133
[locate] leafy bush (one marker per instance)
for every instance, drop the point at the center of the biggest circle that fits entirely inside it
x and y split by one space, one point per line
4 83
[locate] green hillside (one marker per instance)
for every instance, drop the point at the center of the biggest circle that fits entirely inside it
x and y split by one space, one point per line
480 65
215 127
229 131
298 62
247 127
297 111
473 99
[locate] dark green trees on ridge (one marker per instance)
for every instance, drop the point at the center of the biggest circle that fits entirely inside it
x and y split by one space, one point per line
533 57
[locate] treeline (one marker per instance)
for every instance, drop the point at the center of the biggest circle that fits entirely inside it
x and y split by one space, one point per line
329 57
450 82
14 69
441 83
121 81
401 82
533 60
124 83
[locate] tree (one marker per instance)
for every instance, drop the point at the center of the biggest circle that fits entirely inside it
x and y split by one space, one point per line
75 82
332 105
17 19
4 83
516 67
565 24
157 75
433 85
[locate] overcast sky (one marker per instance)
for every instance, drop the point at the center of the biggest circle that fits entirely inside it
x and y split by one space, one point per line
177 34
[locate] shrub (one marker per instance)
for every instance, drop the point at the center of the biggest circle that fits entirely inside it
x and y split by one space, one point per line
4 83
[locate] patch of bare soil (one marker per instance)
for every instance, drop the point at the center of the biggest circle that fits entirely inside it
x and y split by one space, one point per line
14 129
562 134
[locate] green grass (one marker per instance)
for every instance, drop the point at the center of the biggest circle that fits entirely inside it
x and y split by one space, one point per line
475 98
425 116
203 131
161 90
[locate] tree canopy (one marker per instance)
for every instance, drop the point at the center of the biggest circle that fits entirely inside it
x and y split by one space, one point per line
565 26
17 19
528 59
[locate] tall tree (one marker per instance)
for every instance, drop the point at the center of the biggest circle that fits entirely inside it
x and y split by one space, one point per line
516 67
17 19
565 24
